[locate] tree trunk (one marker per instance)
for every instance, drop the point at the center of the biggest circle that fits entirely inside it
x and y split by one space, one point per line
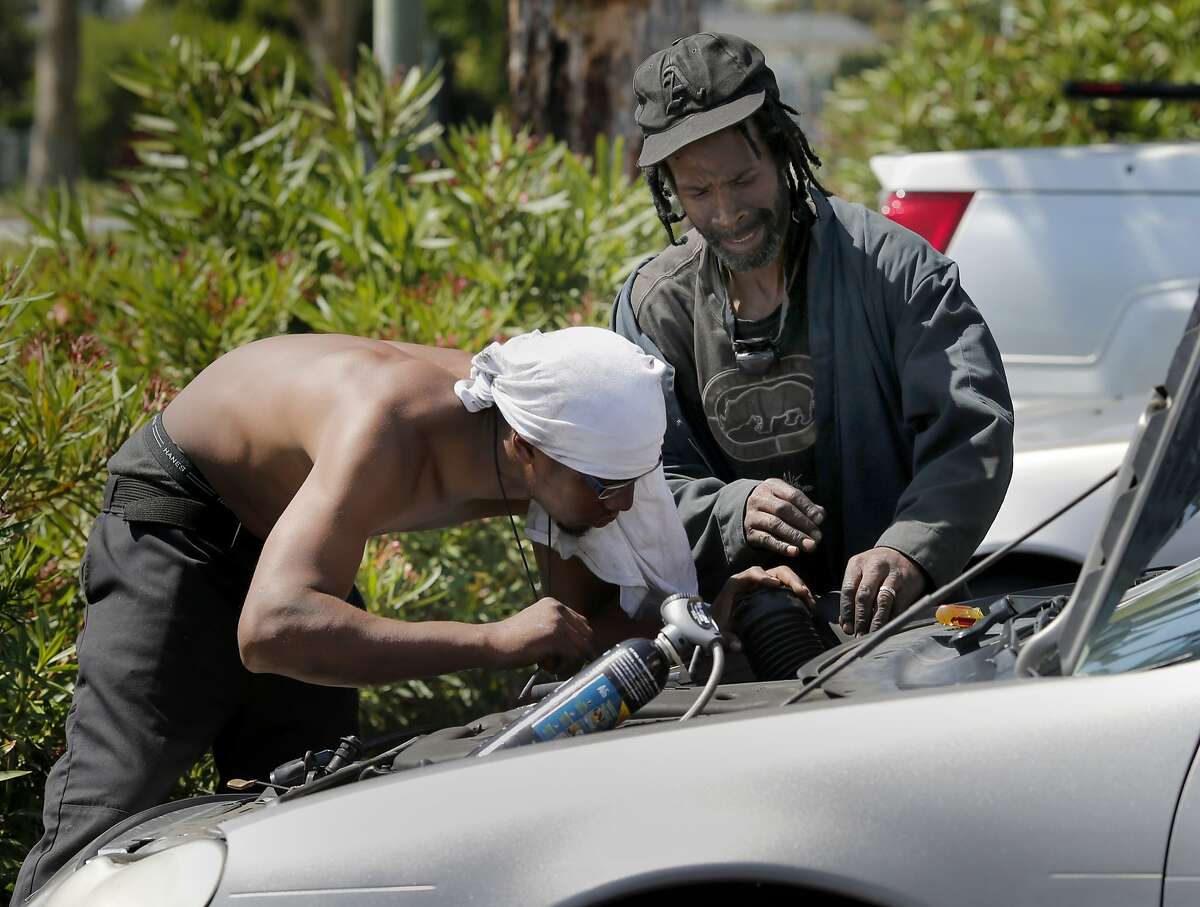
328 28
54 144
571 63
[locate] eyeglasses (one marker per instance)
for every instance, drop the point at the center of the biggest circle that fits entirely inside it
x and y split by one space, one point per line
605 489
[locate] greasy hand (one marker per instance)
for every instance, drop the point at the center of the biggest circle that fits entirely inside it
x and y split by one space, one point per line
547 632
781 518
878 584
749 581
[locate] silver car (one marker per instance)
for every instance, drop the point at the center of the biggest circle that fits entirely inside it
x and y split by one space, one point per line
1045 755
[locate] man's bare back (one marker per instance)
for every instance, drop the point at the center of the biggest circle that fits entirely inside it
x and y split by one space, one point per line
255 421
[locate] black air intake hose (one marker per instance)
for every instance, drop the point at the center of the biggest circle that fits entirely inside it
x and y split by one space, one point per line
777 633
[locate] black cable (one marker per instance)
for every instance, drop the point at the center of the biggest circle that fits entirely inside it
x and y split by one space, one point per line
508 507
517 538
876 639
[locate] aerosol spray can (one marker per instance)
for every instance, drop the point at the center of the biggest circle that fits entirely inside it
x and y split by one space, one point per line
616 684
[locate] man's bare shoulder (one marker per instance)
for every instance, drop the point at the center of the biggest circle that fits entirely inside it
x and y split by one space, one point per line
398 388
392 443
284 393
258 420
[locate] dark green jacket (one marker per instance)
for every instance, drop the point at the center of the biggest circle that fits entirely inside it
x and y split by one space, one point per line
913 414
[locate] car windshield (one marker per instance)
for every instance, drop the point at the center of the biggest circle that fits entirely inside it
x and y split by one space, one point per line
1155 624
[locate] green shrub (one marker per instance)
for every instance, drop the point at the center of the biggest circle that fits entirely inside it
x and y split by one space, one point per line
260 209
61 411
961 78
106 109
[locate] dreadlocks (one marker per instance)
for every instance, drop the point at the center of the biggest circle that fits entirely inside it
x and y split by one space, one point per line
788 145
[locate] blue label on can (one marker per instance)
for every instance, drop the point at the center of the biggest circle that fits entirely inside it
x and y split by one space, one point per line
595 707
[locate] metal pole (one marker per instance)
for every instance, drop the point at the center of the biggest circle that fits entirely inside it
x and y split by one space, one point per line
383 33
398 33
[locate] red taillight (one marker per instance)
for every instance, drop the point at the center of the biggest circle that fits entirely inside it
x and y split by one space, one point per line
933 215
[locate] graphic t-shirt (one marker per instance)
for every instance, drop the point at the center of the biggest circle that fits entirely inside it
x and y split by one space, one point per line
763 422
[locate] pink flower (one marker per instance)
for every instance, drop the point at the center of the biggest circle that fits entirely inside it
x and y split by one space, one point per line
59 314
87 351
157 393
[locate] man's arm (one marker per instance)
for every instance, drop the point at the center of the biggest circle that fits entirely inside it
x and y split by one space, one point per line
296 621
571 582
713 513
956 403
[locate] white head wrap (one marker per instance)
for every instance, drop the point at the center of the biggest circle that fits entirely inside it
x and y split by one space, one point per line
593 401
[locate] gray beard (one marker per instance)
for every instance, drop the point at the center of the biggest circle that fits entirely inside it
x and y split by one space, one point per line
760 257
767 252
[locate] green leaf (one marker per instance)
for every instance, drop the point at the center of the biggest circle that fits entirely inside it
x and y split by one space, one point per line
559 201
432 176
163 161
9 776
269 135
141 89
152 123
251 60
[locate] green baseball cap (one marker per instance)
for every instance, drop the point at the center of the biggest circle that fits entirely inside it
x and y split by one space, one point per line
699 85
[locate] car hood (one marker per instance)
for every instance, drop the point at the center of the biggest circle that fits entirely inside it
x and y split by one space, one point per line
800 787
927 660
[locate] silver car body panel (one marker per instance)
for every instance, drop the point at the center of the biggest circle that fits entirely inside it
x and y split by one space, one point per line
1182 888
916 799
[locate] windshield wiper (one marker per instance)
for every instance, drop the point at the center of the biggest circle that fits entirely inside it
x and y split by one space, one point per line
875 640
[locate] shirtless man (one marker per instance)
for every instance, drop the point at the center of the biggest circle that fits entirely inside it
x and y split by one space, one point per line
200 635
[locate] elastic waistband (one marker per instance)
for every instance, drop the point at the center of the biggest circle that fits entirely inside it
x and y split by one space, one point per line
152 481
170 457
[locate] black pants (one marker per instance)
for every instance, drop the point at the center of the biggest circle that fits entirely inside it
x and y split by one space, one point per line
160 679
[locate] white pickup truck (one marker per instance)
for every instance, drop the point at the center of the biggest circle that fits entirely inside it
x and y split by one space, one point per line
1085 261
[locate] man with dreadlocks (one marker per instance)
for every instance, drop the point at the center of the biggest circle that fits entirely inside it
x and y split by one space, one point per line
835 401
